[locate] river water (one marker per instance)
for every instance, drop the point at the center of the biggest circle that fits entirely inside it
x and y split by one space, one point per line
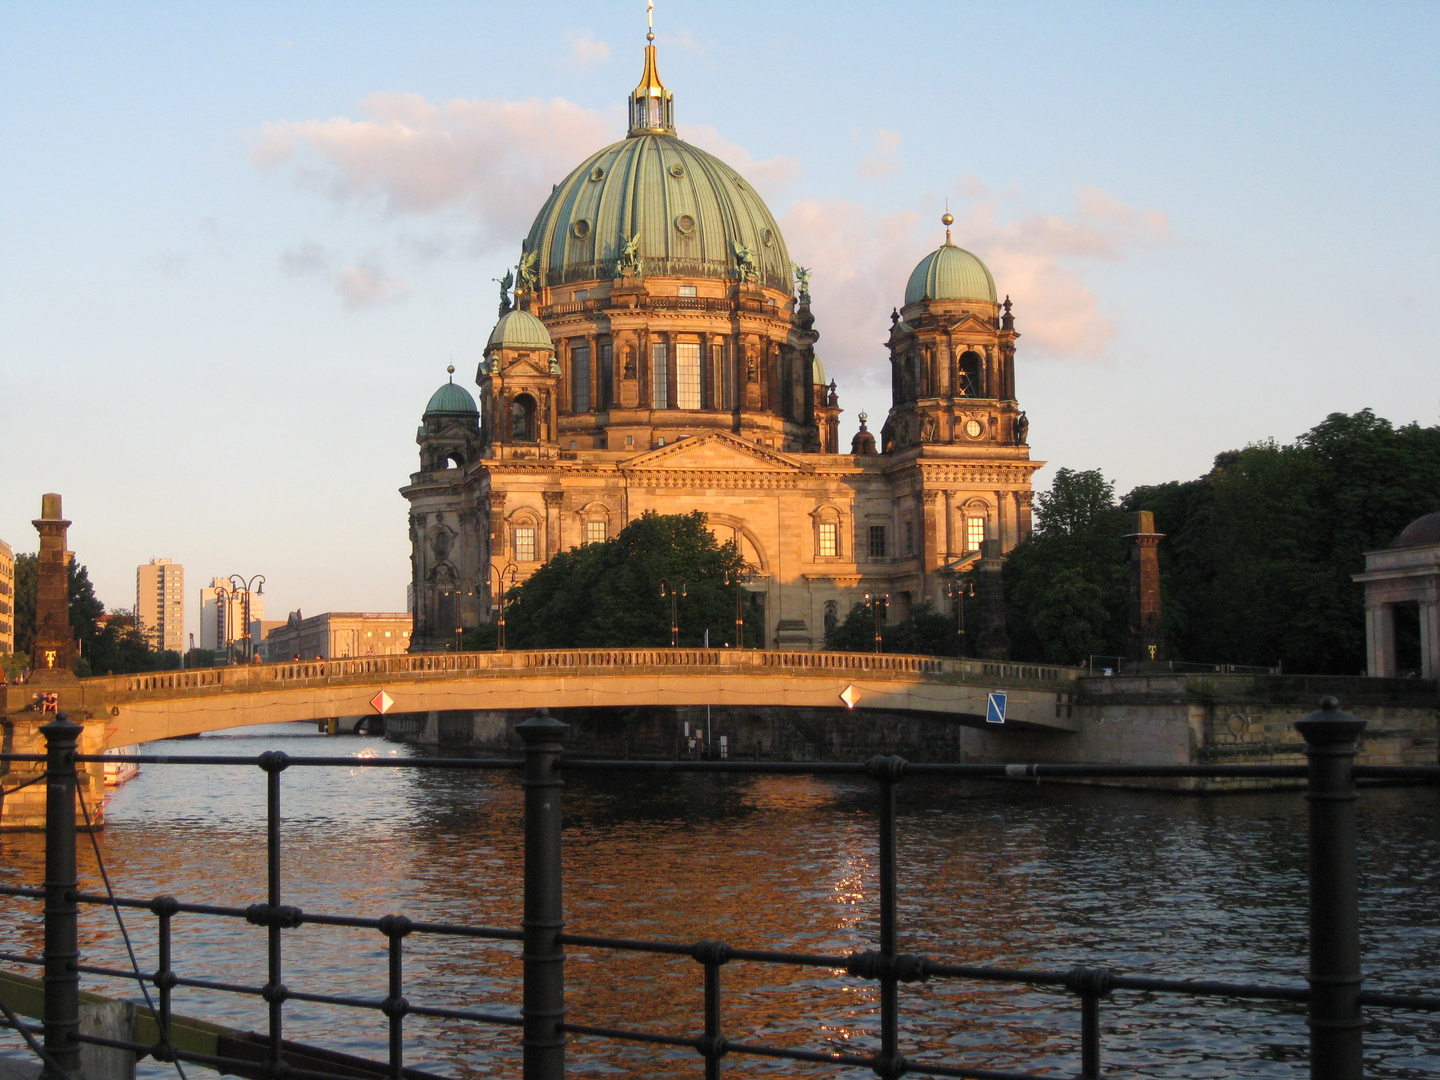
1016 875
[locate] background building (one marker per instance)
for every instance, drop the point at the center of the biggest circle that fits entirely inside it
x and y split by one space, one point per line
7 598
160 604
659 355
338 634
222 616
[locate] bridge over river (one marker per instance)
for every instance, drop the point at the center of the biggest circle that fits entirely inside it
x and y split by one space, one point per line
143 708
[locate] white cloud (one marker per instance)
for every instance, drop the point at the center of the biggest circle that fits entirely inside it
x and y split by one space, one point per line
368 286
493 160
881 161
861 260
585 50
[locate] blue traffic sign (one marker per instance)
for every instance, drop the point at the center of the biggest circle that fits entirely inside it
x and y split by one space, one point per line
995 710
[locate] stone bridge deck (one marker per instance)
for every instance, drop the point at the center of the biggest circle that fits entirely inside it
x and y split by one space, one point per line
142 708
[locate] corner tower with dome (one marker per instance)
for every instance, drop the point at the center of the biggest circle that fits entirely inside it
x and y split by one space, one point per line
657 355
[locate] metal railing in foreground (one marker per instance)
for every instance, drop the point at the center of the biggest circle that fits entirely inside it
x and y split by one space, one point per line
1334 996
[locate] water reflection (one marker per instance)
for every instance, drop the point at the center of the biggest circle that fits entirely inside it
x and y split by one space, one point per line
1016 875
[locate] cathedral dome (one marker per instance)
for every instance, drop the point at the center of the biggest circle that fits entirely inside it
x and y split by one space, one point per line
689 209
451 400
519 330
687 213
950 273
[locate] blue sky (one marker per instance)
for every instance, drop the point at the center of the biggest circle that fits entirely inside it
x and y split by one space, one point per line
239 243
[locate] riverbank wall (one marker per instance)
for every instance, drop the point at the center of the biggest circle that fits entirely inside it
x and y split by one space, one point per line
1162 719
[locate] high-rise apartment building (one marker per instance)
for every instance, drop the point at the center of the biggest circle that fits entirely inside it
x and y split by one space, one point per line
222 615
160 604
7 598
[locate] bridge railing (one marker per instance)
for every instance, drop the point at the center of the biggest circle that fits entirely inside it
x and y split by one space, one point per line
1334 997
258 676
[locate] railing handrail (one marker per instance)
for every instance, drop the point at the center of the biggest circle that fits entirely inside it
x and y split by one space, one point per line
248 676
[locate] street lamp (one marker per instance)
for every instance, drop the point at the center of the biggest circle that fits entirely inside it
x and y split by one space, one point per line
240 587
223 599
738 579
674 591
457 592
958 590
877 602
498 578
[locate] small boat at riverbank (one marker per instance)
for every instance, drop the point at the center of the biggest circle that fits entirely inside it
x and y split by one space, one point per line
119 772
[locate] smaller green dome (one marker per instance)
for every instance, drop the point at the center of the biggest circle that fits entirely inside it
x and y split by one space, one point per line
519 330
950 273
451 400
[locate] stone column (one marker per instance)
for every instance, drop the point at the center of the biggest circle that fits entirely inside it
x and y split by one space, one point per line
1146 627
553 500
992 641
1380 641
52 654
1429 639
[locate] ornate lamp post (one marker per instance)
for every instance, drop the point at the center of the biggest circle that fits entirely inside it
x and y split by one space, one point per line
878 603
958 590
240 588
498 578
674 590
457 592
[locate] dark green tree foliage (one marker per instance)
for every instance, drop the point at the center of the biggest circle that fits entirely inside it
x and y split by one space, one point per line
924 632
1258 554
608 594
119 648
1067 584
85 608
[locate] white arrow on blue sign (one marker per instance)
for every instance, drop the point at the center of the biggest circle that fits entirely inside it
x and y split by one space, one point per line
995 709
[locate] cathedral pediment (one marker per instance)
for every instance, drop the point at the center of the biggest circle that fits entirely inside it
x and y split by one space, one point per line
716 452
526 368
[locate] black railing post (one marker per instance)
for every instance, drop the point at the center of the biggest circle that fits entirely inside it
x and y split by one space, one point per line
1335 1032
62 950
274 763
164 909
886 771
543 1006
712 1044
395 928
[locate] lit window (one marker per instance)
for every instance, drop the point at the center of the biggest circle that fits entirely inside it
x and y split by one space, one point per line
829 539
525 544
974 533
687 375
594 532
877 541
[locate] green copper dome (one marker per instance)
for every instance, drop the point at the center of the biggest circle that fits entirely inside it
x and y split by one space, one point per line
451 400
693 216
519 330
950 273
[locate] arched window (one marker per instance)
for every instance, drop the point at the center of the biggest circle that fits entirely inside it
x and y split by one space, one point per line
522 419
972 374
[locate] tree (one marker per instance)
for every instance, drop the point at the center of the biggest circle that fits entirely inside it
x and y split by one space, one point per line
120 648
924 632
608 594
85 607
1067 585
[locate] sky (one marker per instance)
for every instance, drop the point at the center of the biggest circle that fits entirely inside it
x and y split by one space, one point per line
239 243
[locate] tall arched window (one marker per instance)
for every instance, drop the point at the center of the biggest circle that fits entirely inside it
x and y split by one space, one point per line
522 418
972 374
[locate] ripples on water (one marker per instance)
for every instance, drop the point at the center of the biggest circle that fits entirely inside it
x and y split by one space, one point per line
1015 875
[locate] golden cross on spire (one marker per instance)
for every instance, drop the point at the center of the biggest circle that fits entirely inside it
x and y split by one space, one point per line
650 20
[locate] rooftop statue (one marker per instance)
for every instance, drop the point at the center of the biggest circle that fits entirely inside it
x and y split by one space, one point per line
527 271
745 256
505 283
630 255
802 278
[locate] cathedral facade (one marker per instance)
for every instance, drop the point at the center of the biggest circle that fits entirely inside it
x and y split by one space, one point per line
659 355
